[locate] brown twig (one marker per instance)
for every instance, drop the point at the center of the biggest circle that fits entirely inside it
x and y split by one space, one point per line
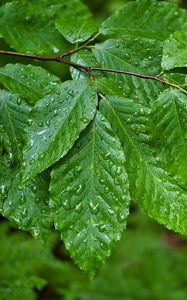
89 69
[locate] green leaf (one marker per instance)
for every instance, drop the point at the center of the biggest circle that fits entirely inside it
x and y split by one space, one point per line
14 115
28 26
144 18
27 206
176 78
136 56
153 190
175 51
170 133
89 195
56 122
30 82
77 23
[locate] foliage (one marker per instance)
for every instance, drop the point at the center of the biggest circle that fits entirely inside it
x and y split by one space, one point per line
75 153
24 264
148 266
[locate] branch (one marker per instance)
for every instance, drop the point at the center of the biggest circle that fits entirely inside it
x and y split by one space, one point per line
89 69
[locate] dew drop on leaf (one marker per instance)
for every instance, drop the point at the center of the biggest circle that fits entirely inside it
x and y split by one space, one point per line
94 208
24 213
48 122
66 204
31 162
40 124
78 208
22 199
79 189
19 101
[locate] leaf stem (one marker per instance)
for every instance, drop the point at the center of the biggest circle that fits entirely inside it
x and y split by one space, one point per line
89 69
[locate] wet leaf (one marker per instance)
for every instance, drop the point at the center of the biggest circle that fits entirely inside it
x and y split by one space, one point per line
89 195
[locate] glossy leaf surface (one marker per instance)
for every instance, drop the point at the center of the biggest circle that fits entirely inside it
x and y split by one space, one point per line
56 122
151 187
26 205
29 26
30 82
89 194
144 18
175 51
77 24
170 133
123 54
14 115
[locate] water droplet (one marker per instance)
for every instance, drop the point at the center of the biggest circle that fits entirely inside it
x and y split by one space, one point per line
78 208
66 204
28 18
127 55
22 199
24 213
111 212
71 93
116 181
55 49
107 155
40 124
106 190
3 190
102 227
104 246
85 120
78 169
94 208
79 189
37 200
41 156
31 162
19 101
101 180
48 123
34 188
118 170
29 122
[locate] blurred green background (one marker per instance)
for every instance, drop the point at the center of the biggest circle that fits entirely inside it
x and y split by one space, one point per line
149 263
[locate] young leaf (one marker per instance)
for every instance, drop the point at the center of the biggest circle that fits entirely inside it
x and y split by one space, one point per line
77 23
132 56
89 195
147 19
56 122
151 187
30 82
28 26
27 206
175 51
14 115
170 133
